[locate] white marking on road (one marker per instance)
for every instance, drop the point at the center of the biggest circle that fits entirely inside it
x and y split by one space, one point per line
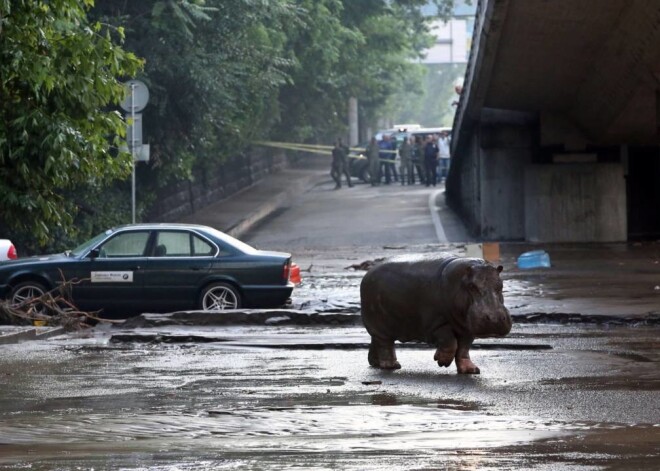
439 230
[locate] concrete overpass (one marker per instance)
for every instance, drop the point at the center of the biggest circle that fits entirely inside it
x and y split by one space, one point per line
556 135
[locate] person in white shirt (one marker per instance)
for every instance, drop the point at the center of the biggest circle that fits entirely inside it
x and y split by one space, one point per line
443 154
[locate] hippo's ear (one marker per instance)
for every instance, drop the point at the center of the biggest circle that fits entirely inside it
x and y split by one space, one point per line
500 268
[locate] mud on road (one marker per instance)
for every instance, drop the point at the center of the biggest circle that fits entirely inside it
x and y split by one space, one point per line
588 401
276 395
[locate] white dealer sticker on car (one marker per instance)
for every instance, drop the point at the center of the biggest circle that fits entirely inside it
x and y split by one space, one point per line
112 277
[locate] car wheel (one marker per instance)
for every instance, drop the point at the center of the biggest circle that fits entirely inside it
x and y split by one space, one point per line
28 290
365 176
219 297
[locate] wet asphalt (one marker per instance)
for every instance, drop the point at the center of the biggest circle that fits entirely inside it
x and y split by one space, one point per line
283 394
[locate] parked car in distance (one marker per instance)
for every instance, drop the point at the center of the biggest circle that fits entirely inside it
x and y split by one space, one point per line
7 250
358 164
157 268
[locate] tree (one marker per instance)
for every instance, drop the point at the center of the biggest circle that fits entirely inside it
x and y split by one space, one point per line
368 49
221 74
58 77
213 69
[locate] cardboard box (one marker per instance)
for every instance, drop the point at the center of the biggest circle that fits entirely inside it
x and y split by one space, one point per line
491 251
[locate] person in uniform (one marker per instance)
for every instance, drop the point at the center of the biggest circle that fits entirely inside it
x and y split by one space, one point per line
417 165
340 164
405 152
386 158
374 163
431 161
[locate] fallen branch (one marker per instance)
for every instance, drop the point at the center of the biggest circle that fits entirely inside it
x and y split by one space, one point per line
366 265
53 308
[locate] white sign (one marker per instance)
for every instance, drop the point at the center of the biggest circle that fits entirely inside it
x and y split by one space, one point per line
136 96
112 277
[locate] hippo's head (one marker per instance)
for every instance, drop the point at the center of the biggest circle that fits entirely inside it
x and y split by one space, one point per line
486 315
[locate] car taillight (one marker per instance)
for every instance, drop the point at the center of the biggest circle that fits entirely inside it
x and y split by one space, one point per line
287 270
11 253
294 274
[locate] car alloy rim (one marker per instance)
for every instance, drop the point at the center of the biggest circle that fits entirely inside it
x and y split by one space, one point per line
26 293
219 299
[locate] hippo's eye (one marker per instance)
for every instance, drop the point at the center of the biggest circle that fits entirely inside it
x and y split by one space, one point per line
473 288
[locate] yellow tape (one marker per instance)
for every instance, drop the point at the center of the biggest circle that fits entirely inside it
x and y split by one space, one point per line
320 149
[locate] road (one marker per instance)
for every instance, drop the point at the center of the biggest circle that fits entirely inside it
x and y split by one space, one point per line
362 216
282 396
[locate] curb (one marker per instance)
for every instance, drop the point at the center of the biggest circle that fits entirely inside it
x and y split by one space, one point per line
22 334
277 202
272 317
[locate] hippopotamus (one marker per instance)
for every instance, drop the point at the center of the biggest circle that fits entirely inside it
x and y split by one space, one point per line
443 300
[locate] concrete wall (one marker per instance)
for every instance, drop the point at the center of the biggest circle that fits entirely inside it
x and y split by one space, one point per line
505 151
486 184
575 203
462 187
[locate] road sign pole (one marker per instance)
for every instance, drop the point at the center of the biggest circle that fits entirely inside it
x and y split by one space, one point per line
138 99
133 150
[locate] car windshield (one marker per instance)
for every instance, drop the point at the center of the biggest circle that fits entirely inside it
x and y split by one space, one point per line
85 246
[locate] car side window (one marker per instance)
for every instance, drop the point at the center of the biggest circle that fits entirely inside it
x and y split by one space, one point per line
201 248
172 244
127 244
181 244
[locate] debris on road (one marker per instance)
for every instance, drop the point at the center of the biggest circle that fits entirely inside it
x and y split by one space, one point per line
366 265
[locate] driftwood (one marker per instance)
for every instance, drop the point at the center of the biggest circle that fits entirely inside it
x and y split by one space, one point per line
53 308
366 265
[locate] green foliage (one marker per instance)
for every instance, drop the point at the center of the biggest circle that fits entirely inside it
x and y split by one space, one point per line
213 69
58 73
431 104
221 74
364 49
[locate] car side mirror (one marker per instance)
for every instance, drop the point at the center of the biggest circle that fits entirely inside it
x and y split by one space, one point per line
94 253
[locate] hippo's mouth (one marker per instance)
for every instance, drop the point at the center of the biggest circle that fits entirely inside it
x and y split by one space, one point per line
490 325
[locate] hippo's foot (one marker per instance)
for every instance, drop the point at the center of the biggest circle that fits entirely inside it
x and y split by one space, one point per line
444 357
389 365
465 366
383 357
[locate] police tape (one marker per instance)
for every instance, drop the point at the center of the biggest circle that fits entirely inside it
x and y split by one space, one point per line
322 149
315 149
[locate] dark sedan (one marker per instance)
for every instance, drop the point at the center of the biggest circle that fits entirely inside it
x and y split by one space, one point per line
156 267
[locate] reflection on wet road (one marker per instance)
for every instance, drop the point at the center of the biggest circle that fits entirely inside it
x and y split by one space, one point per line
591 400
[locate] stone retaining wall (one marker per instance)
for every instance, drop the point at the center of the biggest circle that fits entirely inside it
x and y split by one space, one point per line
183 198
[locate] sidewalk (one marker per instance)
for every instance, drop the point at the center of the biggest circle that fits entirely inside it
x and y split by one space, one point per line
240 212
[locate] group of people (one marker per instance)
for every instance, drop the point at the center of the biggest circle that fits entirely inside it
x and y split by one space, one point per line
427 156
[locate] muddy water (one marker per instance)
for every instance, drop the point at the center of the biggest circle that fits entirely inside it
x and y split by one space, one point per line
80 403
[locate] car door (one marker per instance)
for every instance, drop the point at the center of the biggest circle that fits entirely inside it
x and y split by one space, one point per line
179 262
115 278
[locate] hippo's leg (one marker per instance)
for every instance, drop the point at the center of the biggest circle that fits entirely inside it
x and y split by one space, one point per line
463 363
382 354
446 344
